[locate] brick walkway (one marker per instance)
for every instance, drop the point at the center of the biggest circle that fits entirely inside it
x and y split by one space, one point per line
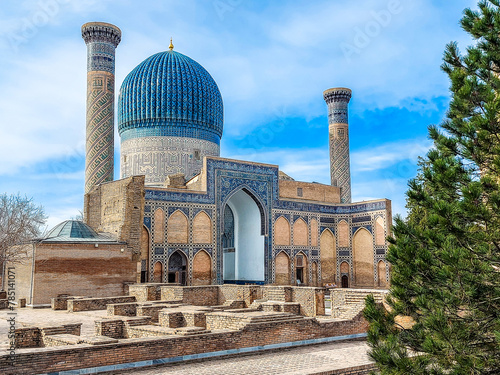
307 360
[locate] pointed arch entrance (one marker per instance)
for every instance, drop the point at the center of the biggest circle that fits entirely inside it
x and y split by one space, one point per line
243 239
177 268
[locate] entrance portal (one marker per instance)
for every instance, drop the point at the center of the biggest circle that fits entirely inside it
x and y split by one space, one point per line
242 240
177 268
345 281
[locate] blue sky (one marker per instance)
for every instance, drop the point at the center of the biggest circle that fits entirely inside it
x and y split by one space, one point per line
272 60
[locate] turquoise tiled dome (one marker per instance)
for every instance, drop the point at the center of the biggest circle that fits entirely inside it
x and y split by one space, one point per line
170 94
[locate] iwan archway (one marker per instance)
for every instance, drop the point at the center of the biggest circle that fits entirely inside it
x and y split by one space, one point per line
243 240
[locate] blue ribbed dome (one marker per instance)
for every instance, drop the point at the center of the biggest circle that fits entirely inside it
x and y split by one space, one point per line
170 94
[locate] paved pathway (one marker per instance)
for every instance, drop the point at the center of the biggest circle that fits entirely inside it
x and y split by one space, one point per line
304 360
27 317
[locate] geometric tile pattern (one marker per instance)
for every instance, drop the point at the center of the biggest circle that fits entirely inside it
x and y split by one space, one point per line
158 157
102 40
225 177
170 89
337 101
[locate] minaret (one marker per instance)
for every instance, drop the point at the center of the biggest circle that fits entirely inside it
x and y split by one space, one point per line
101 40
337 100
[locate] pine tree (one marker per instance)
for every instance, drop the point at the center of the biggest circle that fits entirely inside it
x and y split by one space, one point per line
445 255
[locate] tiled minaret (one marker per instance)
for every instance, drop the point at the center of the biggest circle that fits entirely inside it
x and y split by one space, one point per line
102 40
337 100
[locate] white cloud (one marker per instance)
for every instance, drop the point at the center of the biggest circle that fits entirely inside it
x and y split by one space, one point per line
388 154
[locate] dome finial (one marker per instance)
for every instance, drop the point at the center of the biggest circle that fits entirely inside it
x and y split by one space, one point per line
171 46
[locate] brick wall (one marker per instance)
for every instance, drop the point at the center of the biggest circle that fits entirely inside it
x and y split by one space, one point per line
202 295
310 191
29 337
124 309
88 304
118 207
312 300
277 293
109 327
84 356
246 293
79 269
147 292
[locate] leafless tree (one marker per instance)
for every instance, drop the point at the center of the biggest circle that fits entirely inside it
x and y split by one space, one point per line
20 222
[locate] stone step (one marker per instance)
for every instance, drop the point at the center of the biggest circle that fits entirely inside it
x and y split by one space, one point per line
98 340
185 331
151 330
272 318
61 339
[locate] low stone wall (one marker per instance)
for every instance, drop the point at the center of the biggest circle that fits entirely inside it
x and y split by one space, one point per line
290 307
171 319
153 310
35 337
277 293
29 337
124 309
147 292
61 302
109 327
118 328
88 304
312 300
346 296
195 319
225 320
45 360
203 295
247 293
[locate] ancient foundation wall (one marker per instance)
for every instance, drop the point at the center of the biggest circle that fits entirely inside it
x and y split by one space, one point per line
203 295
131 350
88 304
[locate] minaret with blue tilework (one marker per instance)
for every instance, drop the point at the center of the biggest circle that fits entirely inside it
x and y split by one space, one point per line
337 100
101 40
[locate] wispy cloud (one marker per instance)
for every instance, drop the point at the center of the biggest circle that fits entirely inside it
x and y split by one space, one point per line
383 156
